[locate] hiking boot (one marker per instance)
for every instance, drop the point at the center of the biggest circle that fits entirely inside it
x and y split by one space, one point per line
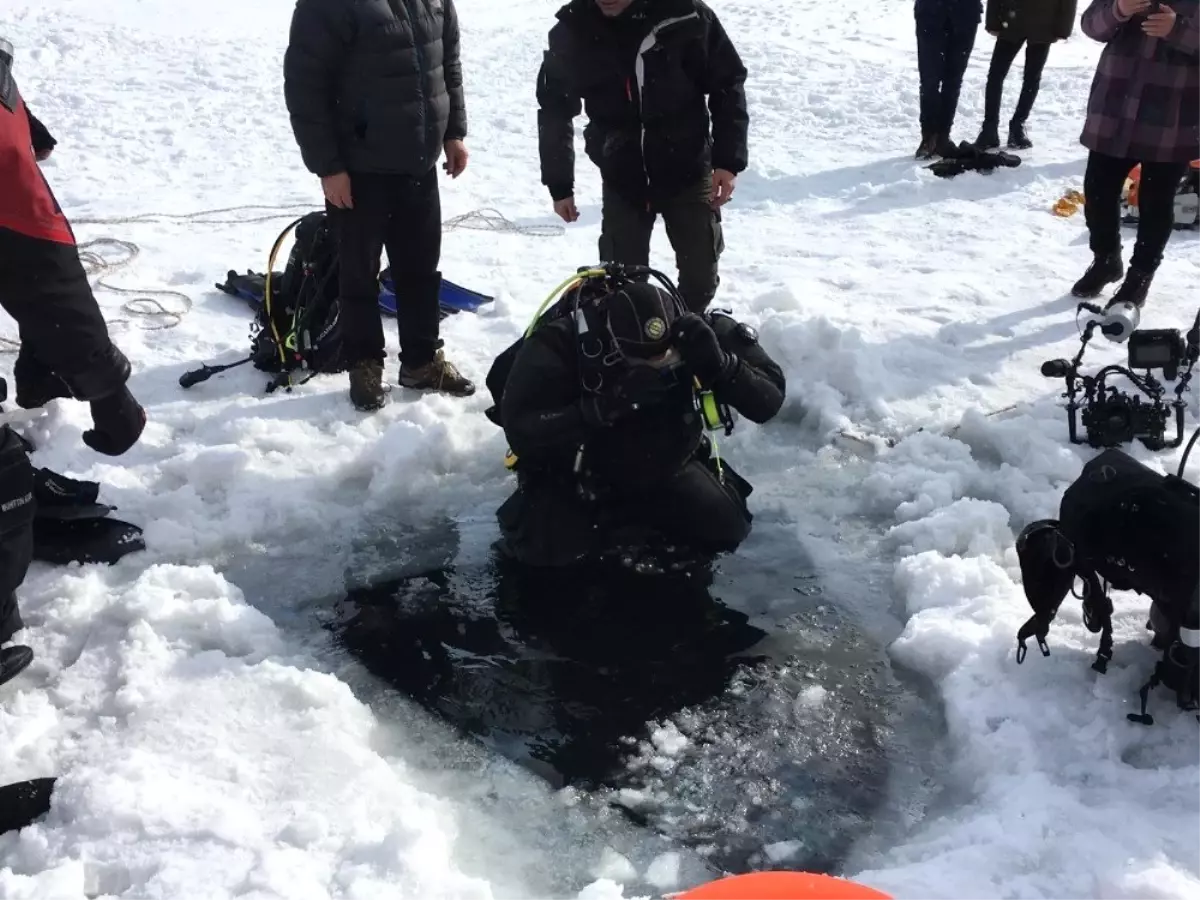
1103 271
1133 289
989 137
438 375
1018 138
925 150
367 392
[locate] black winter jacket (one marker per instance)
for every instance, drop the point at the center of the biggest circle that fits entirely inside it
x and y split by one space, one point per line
643 79
374 86
1036 21
545 423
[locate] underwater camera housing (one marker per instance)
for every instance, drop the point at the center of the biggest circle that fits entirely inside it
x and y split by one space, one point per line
1111 417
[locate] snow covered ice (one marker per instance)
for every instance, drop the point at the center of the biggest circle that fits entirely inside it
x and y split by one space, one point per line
208 749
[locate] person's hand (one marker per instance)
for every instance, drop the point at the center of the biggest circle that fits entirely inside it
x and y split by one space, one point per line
44 154
337 190
1160 22
566 209
723 182
1130 8
698 345
119 421
456 158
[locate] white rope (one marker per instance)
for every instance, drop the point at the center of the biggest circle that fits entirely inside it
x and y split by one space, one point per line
147 304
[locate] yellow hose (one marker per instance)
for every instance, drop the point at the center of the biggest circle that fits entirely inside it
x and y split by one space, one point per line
267 288
567 285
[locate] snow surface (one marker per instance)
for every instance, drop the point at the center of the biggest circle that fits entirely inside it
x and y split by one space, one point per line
205 750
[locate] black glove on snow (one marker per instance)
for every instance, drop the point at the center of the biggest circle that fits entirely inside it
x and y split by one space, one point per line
698 345
119 421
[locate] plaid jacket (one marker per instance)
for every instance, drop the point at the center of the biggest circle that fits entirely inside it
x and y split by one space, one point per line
1145 99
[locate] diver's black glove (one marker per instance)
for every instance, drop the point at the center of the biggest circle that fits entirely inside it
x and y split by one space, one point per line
698 345
119 420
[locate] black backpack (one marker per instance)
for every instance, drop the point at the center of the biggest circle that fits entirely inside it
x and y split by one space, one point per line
296 326
1121 525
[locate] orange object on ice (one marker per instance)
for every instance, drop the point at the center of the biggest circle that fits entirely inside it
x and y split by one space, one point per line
781 886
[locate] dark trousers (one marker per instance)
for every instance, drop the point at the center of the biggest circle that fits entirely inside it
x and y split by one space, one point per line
546 523
17 508
944 45
1003 55
1103 182
693 227
44 287
404 215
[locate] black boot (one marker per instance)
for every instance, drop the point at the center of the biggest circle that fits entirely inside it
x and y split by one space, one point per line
13 661
1133 289
946 148
1103 271
36 384
1018 138
928 143
366 386
989 137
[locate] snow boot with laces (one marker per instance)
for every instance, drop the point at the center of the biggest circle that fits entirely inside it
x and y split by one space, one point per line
439 375
1103 271
367 392
1133 289
1018 137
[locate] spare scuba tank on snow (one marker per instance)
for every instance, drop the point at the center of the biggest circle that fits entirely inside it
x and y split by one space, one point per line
296 325
1187 198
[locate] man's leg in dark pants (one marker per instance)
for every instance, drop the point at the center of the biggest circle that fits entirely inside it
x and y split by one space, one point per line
65 345
931 64
960 42
360 233
1157 188
697 509
694 229
625 230
414 247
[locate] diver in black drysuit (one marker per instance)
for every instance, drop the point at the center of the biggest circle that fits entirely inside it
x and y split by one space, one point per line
629 456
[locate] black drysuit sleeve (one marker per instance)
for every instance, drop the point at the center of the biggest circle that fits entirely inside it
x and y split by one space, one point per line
456 127
724 80
42 139
542 403
320 37
558 105
756 385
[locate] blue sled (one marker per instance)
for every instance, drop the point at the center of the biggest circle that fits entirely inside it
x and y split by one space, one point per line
452 298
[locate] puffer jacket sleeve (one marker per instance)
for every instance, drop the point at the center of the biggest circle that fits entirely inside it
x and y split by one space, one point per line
456 127
558 105
320 37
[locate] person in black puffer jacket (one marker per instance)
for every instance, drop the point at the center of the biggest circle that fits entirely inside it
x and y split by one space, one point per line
375 94
1037 24
648 74
945 38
